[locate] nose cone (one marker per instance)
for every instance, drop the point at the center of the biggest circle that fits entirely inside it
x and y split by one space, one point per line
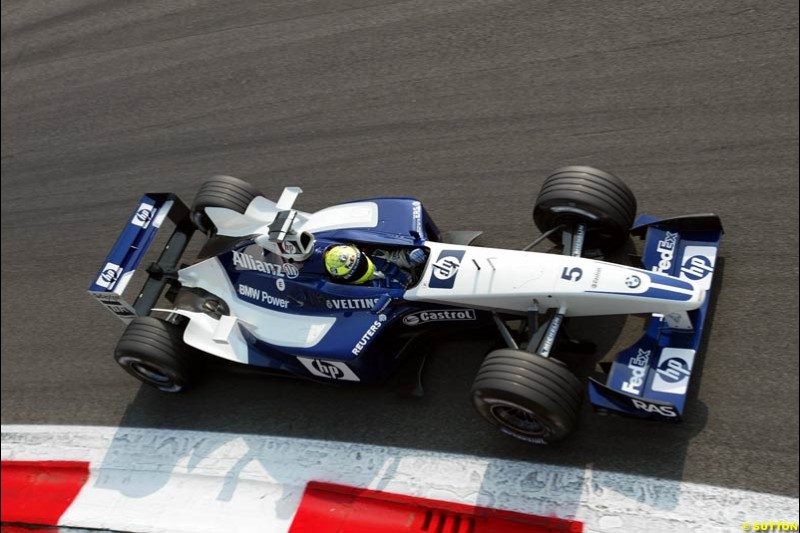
699 296
680 293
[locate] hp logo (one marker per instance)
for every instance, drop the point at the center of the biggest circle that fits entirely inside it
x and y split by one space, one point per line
446 267
673 370
327 369
109 275
143 215
697 267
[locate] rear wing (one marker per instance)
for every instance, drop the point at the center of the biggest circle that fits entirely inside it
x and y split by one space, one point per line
117 271
651 378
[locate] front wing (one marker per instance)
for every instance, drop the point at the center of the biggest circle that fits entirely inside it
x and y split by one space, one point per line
651 378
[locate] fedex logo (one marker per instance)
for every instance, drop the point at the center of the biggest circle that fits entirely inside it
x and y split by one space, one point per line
666 249
638 368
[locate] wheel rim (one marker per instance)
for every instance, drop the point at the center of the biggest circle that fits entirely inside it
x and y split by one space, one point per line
600 231
151 374
201 221
518 419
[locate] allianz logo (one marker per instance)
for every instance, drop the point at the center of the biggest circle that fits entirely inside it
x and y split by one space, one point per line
248 262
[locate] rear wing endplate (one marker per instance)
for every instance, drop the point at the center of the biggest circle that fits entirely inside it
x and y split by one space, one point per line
122 261
651 378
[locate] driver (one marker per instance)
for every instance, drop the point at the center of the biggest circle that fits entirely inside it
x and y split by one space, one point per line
348 264
345 262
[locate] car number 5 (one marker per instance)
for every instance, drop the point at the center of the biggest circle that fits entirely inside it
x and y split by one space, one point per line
572 274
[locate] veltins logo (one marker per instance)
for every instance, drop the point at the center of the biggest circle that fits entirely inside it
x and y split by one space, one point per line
445 269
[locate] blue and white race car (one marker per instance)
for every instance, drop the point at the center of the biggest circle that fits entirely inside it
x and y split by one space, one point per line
259 294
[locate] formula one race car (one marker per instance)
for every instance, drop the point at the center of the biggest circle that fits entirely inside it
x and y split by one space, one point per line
262 294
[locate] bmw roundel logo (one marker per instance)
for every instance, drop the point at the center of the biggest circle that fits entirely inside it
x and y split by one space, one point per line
633 281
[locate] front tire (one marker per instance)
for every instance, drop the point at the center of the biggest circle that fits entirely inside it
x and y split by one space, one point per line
221 191
598 199
153 352
527 396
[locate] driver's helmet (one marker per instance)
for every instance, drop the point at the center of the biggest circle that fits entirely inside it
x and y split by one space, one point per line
345 262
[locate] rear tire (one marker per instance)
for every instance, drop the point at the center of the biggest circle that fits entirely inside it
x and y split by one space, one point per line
153 352
590 196
527 396
221 191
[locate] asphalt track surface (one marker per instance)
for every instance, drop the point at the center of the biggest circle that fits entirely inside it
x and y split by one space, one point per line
466 105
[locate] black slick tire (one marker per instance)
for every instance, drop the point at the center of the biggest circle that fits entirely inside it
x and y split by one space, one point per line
527 396
152 351
221 191
598 199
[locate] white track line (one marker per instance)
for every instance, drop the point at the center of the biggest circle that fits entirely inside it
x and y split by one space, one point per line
152 480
